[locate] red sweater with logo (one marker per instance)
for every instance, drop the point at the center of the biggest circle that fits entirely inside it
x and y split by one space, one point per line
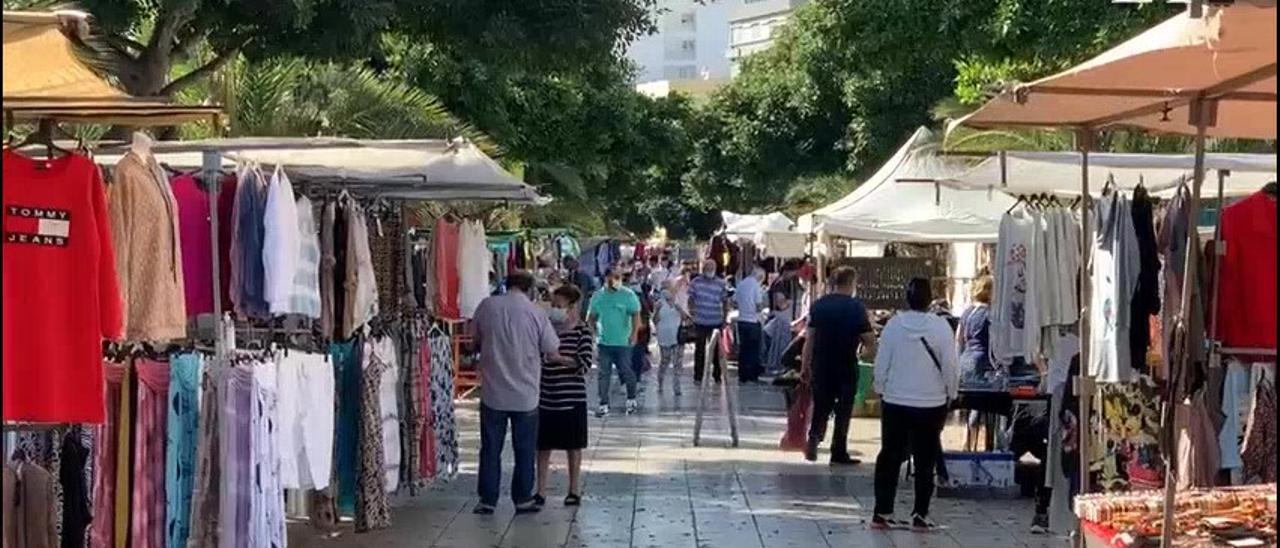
61 296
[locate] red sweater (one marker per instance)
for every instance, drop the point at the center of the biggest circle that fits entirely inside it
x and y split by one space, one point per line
61 296
1247 283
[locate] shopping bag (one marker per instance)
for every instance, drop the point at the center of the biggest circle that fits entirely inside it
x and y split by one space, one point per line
797 435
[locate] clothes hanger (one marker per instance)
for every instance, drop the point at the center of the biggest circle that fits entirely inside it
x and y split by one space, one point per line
42 136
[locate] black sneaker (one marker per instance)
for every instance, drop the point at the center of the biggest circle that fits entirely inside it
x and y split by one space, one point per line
811 451
530 507
922 524
482 509
1040 524
539 500
844 460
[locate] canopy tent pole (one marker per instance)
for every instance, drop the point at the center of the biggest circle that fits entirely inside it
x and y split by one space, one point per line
1202 113
1084 386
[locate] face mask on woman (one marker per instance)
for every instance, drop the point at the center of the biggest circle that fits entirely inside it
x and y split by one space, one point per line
558 316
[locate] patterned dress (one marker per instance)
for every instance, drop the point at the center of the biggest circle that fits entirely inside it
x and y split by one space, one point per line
372 509
443 425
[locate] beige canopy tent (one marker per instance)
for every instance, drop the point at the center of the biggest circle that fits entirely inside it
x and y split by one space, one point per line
1226 56
1208 71
43 78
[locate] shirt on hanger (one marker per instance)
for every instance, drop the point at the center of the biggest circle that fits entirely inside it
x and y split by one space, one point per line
1247 275
280 243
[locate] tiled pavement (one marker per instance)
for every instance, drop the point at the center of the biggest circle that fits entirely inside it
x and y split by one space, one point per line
646 485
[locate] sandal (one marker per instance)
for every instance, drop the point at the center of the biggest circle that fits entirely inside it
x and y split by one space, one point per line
572 500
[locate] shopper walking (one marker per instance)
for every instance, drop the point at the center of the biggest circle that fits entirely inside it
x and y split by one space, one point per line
708 303
838 332
584 282
615 313
514 336
749 298
669 315
916 375
562 404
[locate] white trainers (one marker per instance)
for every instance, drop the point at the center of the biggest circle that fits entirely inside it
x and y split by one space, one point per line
631 406
602 411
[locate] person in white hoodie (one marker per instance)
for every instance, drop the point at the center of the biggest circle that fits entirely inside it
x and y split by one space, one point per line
917 375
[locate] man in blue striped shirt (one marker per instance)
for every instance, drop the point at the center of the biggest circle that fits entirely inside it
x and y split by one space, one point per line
708 303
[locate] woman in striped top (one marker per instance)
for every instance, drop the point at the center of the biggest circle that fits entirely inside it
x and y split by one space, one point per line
562 406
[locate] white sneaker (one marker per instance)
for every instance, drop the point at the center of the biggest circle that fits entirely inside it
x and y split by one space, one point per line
602 411
631 406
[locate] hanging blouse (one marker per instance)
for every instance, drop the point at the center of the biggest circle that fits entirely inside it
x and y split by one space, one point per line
305 296
445 252
247 269
280 243
361 283
147 528
474 265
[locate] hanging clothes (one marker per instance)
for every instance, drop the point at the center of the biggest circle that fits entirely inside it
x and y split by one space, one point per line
346 369
61 293
1246 297
236 443
1014 314
328 268
75 491
386 246
384 350
248 273
474 266
148 250
147 527
185 372
1259 449
443 424
306 420
1197 452
1146 295
372 510
1116 265
197 247
106 442
204 519
304 297
29 506
124 460
425 466
281 243
266 505
361 284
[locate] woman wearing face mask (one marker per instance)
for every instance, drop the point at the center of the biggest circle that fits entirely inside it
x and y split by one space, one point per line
562 405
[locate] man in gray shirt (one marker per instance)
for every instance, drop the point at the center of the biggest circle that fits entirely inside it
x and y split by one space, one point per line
514 336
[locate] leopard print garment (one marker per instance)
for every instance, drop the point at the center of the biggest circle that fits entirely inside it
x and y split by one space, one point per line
372 509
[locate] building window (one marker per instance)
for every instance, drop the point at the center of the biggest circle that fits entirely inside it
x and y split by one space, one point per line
687 45
687 72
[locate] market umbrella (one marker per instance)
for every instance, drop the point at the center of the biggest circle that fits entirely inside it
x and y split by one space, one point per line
1227 55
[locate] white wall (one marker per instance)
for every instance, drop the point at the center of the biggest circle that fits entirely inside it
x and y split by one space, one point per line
692 42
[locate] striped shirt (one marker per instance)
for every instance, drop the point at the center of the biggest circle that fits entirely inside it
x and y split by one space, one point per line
706 301
565 386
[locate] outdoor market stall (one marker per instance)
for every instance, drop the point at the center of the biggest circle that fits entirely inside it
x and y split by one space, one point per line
1224 85
314 298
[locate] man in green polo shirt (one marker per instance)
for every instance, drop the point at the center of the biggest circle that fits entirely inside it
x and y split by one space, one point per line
614 313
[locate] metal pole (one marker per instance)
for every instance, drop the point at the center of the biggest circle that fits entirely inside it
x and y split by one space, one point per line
1084 383
1201 116
1218 252
211 166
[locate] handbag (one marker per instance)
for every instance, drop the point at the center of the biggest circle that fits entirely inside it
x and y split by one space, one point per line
688 334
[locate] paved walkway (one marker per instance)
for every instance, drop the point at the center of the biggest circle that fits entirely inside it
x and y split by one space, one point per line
647 486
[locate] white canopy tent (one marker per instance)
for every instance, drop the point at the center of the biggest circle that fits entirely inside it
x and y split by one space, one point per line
1059 172
743 224
896 204
771 232
398 169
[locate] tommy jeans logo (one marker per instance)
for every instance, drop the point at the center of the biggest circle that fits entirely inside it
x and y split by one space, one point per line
36 225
